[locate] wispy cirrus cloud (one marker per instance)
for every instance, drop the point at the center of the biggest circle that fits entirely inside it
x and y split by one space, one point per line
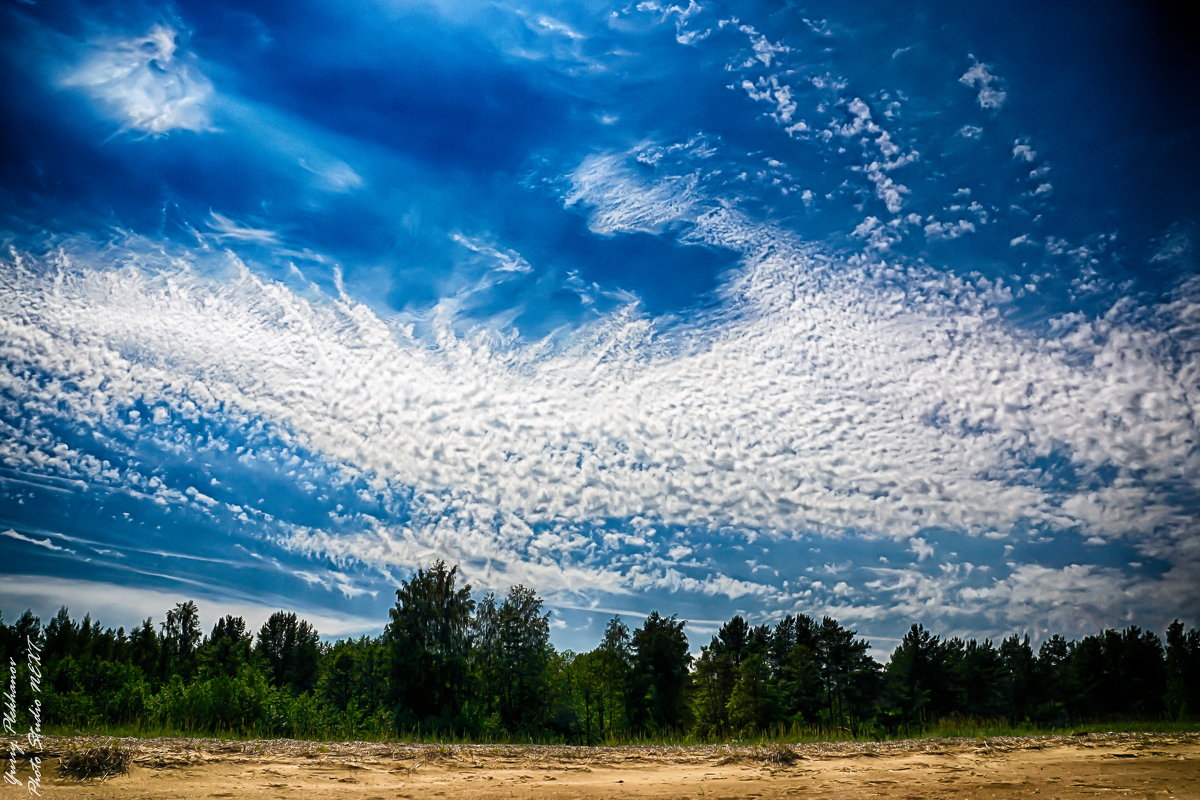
126 606
152 84
146 83
226 229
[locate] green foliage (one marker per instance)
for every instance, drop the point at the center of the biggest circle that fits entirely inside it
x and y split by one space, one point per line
181 637
446 668
290 647
1182 669
659 674
429 639
916 678
517 689
227 648
596 686
753 703
849 676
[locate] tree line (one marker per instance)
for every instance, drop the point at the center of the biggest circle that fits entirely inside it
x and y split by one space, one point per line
447 665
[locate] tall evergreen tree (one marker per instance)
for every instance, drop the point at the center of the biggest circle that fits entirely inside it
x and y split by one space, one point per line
1054 698
63 636
660 673
979 679
524 633
616 666
1142 672
145 651
1092 676
486 664
227 648
1020 676
429 639
291 649
753 702
180 640
848 673
1182 667
716 671
793 654
913 674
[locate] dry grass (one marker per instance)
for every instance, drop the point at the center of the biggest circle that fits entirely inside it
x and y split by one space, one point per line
779 755
95 762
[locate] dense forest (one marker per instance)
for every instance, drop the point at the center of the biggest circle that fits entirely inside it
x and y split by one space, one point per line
449 666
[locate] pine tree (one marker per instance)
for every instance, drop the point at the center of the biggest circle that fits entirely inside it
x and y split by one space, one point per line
660 674
181 638
1182 697
911 674
291 649
429 639
524 633
226 649
752 703
1019 677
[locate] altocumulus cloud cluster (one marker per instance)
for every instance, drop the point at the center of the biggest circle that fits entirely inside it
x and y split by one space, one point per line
792 347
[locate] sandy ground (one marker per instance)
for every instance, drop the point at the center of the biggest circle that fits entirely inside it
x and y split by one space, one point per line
1097 765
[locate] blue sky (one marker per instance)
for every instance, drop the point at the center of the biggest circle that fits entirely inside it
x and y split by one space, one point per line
886 313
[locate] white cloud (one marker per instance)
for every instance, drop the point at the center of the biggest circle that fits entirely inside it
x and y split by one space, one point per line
333 175
147 85
552 25
46 543
620 204
881 154
820 397
920 547
770 90
936 230
1177 247
114 605
502 259
679 552
228 229
682 16
980 77
1078 598
766 52
1021 150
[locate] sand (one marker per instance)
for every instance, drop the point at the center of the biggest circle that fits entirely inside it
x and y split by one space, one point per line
1091 766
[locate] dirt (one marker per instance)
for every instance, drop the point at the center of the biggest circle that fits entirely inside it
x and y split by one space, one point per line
1092 766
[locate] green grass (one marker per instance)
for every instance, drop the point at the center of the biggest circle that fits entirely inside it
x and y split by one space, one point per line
944 729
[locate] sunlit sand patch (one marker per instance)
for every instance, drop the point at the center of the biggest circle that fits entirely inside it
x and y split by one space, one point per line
1141 765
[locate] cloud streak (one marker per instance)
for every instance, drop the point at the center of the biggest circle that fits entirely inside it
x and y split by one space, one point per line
125 606
146 84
